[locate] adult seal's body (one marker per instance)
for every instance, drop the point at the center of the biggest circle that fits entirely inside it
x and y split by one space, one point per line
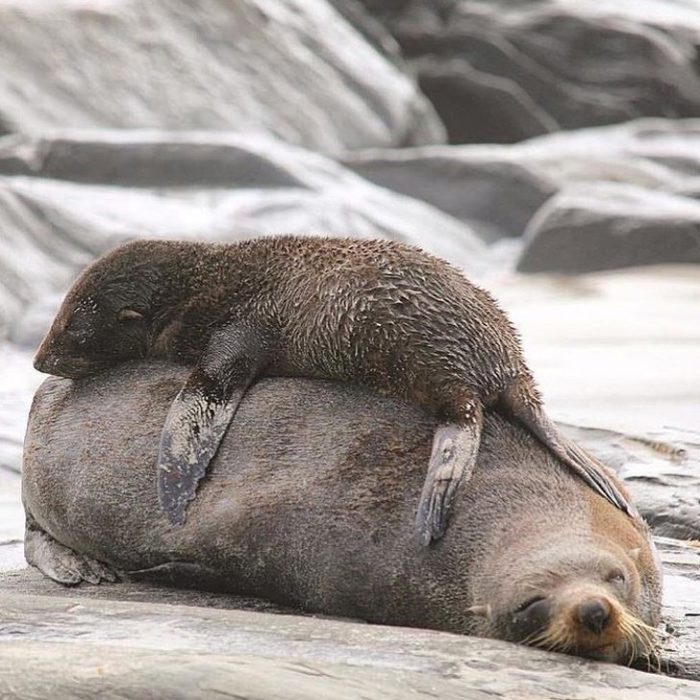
553 565
375 313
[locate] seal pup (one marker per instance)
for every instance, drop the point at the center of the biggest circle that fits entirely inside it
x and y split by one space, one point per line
372 312
532 555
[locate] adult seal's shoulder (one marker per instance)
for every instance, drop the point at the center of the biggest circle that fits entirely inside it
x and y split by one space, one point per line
554 565
371 312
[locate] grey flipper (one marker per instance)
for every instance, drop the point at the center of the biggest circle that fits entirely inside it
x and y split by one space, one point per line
200 414
61 564
455 447
524 405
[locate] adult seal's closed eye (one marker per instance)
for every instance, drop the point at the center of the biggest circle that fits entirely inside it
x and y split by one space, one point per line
373 312
531 555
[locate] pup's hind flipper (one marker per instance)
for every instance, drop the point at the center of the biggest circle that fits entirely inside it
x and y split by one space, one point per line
523 402
455 447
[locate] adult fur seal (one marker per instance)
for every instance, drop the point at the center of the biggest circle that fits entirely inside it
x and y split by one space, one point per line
531 554
372 312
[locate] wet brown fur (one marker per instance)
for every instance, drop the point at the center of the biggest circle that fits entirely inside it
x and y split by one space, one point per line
374 312
295 510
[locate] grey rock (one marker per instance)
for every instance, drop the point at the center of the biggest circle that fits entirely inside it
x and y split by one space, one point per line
655 153
75 647
602 227
290 68
488 187
503 71
68 197
497 189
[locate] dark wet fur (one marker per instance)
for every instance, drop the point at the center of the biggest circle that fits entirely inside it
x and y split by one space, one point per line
371 312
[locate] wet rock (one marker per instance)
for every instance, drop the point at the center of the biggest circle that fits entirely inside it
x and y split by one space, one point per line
488 187
498 189
605 226
663 476
659 154
66 199
503 71
291 68
128 649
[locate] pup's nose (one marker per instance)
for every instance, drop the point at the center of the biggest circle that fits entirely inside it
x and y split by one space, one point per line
42 362
594 614
45 360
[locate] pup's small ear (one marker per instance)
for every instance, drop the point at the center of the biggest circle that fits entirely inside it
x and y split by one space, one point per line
129 315
481 610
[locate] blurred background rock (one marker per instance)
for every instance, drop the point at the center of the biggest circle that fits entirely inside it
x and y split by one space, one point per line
558 137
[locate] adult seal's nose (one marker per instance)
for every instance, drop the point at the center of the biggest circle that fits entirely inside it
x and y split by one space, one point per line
594 614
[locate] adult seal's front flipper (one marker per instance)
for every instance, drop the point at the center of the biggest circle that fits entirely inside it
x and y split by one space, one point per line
61 564
199 416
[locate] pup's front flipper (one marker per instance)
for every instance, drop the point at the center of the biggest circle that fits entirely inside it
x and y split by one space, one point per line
455 447
200 414
61 564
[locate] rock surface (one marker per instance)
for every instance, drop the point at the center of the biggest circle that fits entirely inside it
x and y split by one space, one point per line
592 199
503 71
289 68
66 198
663 476
490 188
601 227
130 649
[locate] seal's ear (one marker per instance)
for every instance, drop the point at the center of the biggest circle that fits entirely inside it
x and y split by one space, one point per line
481 610
128 315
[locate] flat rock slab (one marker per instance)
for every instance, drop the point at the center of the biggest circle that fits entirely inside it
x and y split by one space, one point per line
590 199
59 646
606 226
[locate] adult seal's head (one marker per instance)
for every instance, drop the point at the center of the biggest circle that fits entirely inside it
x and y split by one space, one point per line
558 567
594 596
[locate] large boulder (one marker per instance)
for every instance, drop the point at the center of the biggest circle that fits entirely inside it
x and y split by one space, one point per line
497 189
503 71
291 68
487 187
66 199
601 227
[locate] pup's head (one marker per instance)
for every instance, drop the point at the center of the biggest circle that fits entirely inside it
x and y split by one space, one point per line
106 316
